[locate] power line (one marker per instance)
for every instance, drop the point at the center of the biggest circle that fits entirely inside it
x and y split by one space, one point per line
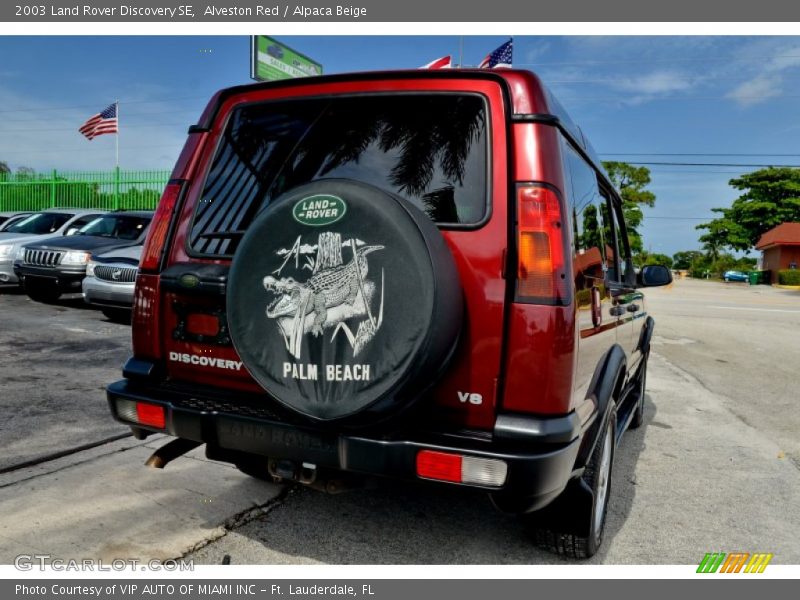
128 115
692 154
653 96
175 124
688 164
727 59
680 218
96 104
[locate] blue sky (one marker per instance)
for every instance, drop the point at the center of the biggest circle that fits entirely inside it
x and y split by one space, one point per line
635 97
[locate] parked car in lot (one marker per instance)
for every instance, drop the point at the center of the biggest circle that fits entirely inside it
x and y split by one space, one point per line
53 223
9 218
57 266
422 275
110 281
734 276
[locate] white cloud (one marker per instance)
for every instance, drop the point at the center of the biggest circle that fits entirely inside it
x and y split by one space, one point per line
655 83
767 62
756 90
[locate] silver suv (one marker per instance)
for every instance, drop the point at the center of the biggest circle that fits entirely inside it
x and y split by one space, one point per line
43 225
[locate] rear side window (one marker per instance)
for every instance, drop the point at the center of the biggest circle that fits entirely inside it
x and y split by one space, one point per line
116 226
40 223
429 148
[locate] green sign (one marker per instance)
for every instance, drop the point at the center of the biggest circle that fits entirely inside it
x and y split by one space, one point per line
320 209
270 61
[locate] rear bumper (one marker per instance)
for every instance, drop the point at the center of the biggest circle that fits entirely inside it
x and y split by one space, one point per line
539 466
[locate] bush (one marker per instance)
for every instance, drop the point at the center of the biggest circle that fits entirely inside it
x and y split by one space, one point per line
789 277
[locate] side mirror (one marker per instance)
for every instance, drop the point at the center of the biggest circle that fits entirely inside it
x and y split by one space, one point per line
654 276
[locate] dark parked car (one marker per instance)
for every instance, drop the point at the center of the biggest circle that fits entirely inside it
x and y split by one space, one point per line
58 265
421 275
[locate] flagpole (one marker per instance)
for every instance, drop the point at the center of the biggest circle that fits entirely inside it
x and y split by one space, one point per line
116 170
118 127
461 52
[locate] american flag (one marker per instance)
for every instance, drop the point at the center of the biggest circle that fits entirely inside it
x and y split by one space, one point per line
102 122
439 63
501 57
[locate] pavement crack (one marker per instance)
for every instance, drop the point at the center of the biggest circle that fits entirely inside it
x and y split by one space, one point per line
794 460
242 518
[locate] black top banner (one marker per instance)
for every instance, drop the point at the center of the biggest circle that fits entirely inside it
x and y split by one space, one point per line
468 11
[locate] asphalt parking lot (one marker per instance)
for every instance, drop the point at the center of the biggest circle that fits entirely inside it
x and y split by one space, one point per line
715 467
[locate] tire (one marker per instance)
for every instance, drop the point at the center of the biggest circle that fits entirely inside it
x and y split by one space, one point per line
117 315
638 412
41 291
338 335
597 478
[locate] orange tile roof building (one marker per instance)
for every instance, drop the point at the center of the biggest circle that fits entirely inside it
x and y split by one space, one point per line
781 249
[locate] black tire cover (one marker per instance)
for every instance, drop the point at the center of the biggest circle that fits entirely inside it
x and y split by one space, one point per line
296 309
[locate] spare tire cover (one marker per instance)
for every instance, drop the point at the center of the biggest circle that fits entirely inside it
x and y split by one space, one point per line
343 301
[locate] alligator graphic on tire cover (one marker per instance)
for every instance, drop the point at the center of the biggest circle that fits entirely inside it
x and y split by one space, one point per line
324 290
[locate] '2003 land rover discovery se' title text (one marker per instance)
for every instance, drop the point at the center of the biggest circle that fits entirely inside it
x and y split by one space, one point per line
408 274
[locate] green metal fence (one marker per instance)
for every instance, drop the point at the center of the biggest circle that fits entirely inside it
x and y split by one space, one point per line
110 190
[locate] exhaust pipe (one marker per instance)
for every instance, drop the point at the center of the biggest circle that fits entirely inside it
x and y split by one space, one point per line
169 452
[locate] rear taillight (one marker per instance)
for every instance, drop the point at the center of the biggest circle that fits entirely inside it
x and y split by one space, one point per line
145 318
142 413
542 271
455 468
154 245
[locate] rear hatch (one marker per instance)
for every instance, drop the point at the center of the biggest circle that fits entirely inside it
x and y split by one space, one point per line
438 142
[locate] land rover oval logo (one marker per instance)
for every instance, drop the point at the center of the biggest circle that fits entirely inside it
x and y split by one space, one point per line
189 280
318 210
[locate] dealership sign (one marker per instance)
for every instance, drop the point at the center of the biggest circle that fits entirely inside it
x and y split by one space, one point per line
271 61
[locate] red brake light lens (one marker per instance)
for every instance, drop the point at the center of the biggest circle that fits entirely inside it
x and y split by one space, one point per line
541 267
150 414
157 236
439 465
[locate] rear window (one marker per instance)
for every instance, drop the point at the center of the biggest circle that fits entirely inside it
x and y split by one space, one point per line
429 148
116 226
40 223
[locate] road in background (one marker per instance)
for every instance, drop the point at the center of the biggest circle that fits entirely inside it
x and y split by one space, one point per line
743 343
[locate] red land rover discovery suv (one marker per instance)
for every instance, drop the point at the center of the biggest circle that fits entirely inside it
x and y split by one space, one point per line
408 274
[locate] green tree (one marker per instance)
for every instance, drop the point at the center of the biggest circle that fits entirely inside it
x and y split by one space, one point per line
25 174
631 181
771 197
685 258
591 238
4 168
659 259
